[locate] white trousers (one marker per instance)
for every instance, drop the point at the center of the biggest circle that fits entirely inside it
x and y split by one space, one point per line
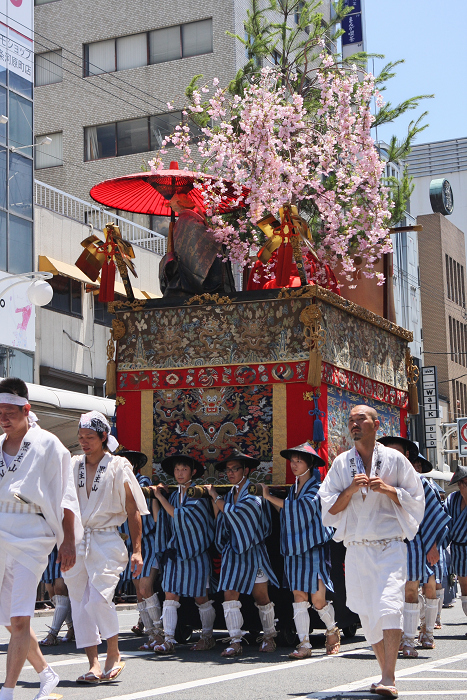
94 618
17 592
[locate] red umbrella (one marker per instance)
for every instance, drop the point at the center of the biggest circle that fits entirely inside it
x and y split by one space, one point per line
148 193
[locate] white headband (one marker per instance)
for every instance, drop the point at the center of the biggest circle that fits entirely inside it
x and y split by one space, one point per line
94 420
16 400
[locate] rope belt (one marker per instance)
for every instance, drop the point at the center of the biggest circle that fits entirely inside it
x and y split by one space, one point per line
86 541
376 543
9 507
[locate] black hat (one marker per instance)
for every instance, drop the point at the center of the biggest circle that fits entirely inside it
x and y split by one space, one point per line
459 474
136 459
248 461
168 464
405 442
307 449
426 465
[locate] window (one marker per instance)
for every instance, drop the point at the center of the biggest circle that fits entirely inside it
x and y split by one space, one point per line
157 46
3 202
20 179
51 155
20 123
3 111
101 313
132 51
48 68
130 136
196 38
164 45
3 237
67 295
16 363
19 245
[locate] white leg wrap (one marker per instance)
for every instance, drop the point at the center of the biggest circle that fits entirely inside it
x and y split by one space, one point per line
327 615
464 603
302 622
421 605
153 609
430 614
411 613
233 619
144 615
207 616
169 617
61 612
266 615
440 597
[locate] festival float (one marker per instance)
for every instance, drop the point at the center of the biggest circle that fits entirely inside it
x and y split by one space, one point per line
208 368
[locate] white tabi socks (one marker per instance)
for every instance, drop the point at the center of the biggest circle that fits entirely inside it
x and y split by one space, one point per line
411 614
49 680
421 605
169 618
150 611
62 612
464 603
6 693
302 623
431 610
233 619
327 615
266 615
440 597
207 616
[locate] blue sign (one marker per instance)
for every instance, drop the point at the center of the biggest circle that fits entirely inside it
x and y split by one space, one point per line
355 4
352 26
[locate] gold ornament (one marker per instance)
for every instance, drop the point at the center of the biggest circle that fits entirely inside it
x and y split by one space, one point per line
315 336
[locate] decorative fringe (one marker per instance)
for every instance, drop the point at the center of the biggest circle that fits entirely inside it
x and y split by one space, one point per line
107 288
318 430
284 265
314 368
413 400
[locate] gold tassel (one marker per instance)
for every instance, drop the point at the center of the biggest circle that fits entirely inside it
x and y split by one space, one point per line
315 336
413 399
413 374
111 375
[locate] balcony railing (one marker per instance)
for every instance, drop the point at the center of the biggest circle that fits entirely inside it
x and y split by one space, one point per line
87 213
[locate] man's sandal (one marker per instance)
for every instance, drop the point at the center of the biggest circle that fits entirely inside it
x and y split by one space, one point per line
51 640
407 647
301 652
333 647
113 674
267 643
426 640
138 629
204 643
373 686
165 648
89 678
69 636
388 691
234 649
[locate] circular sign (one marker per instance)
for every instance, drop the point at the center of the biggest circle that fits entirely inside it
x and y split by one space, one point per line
441 197
464 432
17 3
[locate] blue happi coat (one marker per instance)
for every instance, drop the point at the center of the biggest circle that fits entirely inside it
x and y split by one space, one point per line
240 533
434 529
458 533
303 539
182 543
148 529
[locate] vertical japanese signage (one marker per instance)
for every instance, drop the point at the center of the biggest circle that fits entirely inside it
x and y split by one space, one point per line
430 404
16 37
353 39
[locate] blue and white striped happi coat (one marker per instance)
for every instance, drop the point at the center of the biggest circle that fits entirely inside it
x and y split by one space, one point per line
148 550
182 543
303 540
240 533
53 571
434 529
458 533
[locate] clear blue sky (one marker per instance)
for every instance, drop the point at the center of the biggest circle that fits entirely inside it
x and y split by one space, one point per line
431 36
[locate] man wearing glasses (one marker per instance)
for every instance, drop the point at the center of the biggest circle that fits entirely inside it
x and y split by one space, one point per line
243 523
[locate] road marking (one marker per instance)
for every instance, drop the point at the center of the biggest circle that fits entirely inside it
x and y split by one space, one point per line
427 666
284 666
75 660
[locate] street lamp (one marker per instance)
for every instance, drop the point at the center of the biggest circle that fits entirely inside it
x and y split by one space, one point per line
46 141
39 292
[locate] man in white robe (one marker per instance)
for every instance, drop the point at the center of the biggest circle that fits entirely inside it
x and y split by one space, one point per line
375 500
38 509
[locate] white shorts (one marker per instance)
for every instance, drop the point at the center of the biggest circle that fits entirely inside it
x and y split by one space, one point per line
18 591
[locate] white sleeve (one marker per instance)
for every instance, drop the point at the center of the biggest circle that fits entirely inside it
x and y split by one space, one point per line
411 497
329 492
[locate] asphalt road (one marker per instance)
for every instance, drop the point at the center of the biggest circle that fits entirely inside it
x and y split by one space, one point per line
441 672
